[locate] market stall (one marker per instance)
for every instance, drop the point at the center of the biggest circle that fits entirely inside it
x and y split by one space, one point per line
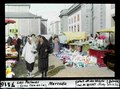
70 38
9 68
11 53
98 49
74 59
66 37
111 30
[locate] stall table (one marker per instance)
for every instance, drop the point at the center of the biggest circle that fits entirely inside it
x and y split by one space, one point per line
11 57
11 53
99 54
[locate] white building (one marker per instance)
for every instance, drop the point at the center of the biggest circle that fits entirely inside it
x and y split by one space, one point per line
110 12
88 17
64 20
74 18
55 27
43 26
26 22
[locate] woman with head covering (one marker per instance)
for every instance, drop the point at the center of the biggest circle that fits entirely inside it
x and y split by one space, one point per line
43 51
56 44
29 53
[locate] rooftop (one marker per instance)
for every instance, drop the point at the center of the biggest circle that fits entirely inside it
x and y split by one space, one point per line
70 10
20 15
16 4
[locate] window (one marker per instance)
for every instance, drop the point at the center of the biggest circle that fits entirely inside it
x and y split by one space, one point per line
69 21
75 28
112 22
112 6
74 18
10 30
69 28
78 28
78 17
72 28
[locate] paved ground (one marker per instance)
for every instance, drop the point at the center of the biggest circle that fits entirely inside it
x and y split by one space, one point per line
57 69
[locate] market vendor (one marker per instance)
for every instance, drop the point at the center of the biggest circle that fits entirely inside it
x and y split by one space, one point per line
79 49
73 47
110 46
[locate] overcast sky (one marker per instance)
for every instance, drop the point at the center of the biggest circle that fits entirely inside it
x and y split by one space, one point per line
49 11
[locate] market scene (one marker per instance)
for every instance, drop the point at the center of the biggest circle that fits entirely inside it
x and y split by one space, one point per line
59 40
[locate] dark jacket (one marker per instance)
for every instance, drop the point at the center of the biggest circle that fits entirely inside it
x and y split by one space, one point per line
18 43
43 56
59 45
9 41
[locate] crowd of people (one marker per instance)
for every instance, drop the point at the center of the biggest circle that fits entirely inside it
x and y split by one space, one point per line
28 47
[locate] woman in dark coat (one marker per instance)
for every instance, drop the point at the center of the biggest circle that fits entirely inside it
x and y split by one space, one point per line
43 53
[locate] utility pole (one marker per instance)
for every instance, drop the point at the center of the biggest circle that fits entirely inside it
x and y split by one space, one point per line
92 19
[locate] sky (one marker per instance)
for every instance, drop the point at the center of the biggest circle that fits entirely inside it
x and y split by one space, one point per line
49 11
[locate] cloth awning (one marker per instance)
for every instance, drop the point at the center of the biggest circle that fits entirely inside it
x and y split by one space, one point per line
112 29
73 36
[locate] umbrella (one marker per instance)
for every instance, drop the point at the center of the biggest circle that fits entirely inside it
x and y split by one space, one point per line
7 21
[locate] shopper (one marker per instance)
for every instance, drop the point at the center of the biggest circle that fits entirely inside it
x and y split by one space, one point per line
17 45
43 53
56 44
9 40
51 43
29 53
97 35
34 39
79 50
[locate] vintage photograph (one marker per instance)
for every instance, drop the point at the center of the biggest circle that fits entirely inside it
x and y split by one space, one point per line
59 40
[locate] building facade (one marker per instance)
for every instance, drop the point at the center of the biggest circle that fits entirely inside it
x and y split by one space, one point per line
26 22
44 26
55 27
89 17
64 20
110 12
74 19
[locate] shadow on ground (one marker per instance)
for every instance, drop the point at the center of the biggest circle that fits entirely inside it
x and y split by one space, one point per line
50 68
55 70
20 69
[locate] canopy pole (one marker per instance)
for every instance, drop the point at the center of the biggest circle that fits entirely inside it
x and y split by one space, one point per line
109 38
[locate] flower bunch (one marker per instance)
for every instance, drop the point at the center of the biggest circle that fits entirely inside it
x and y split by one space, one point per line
102 37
